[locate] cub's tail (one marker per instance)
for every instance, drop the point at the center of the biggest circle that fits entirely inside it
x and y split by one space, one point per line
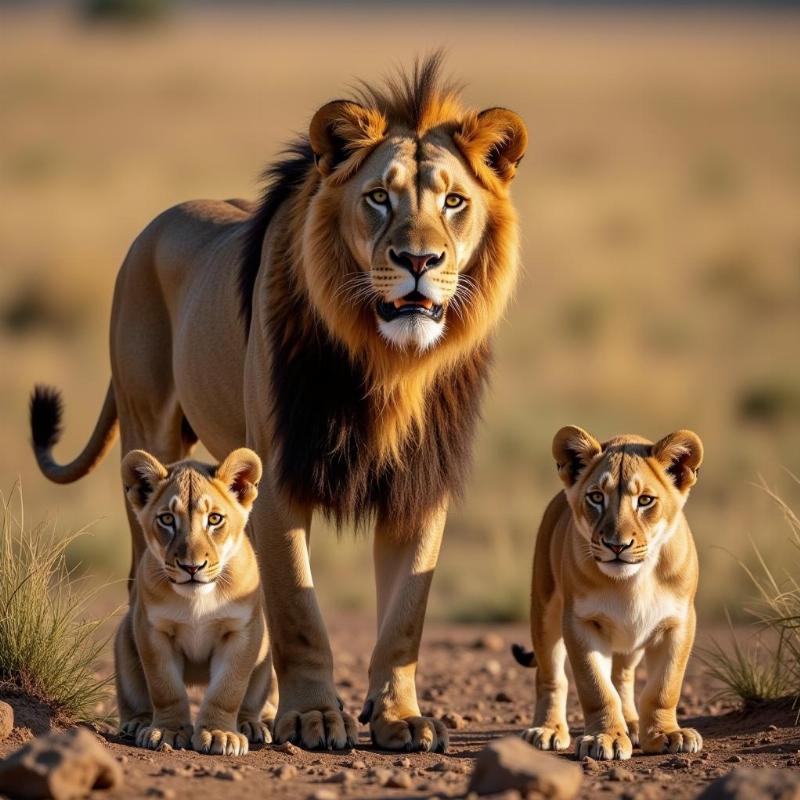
525 657
45 414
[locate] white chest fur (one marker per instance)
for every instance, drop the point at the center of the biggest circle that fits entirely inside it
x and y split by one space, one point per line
198 624
631 615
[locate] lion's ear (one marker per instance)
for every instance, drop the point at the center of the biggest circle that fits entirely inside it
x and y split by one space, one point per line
241 472
141 473
495 139
343 133
573 450
681 454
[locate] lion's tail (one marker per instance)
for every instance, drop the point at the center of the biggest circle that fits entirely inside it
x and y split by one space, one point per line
525 657
46 411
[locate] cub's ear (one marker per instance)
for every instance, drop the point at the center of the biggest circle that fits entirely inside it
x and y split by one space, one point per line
342 134
141 473
241 472
681 454
495 139
573 450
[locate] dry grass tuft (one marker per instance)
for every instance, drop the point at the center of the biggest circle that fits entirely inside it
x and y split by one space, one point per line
48 648
769 669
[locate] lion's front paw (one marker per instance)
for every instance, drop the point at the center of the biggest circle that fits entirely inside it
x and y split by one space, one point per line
410 734
156 738
317 730
130 727
682 740
256 731
219 742
605 747
544 738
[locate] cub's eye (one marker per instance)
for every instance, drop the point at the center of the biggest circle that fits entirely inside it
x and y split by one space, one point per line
167 519
378 196
645 500
454 201
596 497
215 519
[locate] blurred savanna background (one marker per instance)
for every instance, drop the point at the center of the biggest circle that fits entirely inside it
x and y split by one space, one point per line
660 208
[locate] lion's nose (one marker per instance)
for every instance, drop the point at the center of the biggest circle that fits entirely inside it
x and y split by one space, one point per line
191 568
415 263
617 548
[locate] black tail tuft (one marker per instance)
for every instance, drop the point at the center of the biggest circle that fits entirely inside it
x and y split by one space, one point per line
45 409
525 657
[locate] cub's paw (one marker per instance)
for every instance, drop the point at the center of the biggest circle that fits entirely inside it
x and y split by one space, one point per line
682 740
543 738
317 730
220 743
633 731
155 738
604 747
256 731
412 734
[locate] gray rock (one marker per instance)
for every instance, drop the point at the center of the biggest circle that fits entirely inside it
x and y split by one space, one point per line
763 783
6 720
511 763
60 766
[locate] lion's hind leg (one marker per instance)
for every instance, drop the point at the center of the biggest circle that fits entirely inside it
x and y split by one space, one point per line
133 700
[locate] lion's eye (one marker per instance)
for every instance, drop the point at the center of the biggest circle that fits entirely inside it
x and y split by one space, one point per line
454 201
596 497
379 196
167 519
645 500
215 519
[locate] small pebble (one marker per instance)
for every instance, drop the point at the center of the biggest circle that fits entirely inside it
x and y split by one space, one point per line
288 748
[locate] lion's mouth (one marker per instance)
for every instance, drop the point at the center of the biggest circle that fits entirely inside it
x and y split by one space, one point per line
413 303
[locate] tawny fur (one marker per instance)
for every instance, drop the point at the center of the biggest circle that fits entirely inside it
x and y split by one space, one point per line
604 614
207 628
354 417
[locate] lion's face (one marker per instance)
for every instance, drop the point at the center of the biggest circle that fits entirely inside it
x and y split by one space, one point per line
411 233
413 217
626 495
192 515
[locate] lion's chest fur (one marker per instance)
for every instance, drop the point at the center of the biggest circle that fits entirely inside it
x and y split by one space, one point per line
198 626
325 425
628 617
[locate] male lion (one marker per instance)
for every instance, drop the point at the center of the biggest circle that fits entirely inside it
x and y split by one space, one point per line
341 328
614 578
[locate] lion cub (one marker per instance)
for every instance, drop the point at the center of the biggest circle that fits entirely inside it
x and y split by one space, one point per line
195 608
614 577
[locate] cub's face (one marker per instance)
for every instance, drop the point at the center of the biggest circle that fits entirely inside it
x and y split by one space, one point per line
626 495
193 515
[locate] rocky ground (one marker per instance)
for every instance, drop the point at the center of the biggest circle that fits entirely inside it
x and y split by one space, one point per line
468 677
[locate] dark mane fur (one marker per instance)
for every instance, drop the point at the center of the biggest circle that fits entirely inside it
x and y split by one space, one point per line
322 420
282 178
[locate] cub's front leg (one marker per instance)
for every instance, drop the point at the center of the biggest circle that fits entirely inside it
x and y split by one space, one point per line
171 725
232 663
605 734
666 664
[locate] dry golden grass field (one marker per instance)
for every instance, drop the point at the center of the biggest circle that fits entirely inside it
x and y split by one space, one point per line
660 203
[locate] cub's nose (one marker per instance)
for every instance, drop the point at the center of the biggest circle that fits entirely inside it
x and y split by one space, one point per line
617 548
415 263
191 568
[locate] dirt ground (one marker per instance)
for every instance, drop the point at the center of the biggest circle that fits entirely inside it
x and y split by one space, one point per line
466 670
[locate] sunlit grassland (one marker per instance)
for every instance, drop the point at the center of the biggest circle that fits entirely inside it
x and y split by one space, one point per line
659 206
